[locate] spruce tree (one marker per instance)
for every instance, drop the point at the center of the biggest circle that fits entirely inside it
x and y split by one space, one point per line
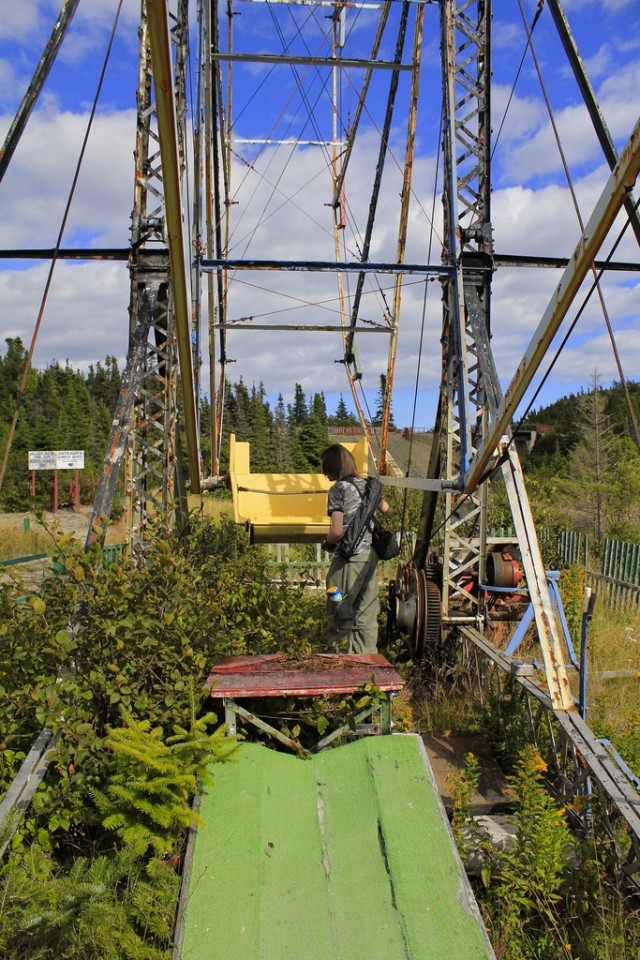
342 417
379 411
259 416
298 412
593 463
280 439
319 407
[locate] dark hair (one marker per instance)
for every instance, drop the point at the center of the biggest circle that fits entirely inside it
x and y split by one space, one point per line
337 462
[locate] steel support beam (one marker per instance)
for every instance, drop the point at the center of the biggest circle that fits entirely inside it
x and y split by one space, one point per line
330 266
161 65
611 200
37 82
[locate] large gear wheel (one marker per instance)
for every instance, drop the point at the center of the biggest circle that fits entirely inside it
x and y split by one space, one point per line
418 611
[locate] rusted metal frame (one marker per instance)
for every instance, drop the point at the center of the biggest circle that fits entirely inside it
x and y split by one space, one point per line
548 633
339 179
462 521
208 248
498 259
549 636
402 232
449 443
218 169
430 498
162 69
367 712
338 213
571 776
231 708
460 555
329 266
454 287
300 61
516 260
317 327
465 45
199 139
76 253
122 420
151 462
36 84
592 105
611 200
326 3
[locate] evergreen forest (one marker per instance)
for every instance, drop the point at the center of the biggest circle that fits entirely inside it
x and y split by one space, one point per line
63 409
583 471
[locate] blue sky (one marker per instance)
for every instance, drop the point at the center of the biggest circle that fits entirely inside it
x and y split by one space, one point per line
86 314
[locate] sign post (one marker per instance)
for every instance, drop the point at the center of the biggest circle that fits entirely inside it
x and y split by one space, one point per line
57 460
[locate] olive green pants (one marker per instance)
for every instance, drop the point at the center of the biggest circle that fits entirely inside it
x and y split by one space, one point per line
353 622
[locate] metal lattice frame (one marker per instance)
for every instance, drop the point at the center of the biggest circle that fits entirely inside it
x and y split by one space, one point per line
471 392
151 460
466 199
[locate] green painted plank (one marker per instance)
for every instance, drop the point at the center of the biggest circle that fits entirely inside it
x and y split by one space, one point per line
224 878
365 920
430 888
294 909
342 857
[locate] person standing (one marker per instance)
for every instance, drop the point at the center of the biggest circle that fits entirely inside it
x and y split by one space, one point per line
353 620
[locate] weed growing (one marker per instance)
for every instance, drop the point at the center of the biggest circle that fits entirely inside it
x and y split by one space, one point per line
548 896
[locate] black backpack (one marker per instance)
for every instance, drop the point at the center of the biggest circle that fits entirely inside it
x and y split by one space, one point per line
361 520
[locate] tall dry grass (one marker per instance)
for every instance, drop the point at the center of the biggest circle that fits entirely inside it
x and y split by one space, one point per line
15 542
22 534
613 646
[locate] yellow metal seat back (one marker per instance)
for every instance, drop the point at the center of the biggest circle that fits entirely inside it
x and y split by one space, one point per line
283 507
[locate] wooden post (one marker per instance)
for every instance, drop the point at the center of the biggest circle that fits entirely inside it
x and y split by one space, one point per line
76 493
32 486
54 505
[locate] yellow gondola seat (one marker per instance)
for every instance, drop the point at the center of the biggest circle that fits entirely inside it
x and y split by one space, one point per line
283 507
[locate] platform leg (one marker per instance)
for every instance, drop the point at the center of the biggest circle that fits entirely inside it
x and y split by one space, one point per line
230 717
385 715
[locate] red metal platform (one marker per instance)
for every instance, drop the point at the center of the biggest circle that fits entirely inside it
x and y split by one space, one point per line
276 675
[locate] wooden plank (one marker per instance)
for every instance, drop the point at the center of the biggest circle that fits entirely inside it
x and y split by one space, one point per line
364 915
334 858
282 675
433 896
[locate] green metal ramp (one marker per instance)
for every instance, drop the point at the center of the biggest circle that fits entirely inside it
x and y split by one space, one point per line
346 856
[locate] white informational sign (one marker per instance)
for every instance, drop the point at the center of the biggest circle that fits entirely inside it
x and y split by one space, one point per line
56 459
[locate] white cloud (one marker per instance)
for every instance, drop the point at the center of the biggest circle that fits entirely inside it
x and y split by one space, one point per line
27 18
85 316
35 188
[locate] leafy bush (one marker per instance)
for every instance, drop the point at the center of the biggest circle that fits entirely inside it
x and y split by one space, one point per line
113 658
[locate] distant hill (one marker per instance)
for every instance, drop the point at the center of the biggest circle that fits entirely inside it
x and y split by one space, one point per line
558 426
402 449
